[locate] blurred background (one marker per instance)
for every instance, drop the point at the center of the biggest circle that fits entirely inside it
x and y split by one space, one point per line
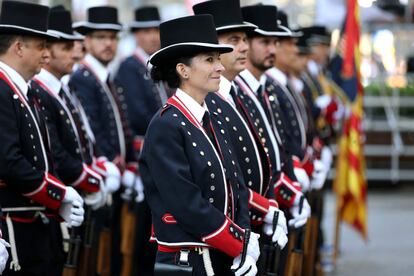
387 66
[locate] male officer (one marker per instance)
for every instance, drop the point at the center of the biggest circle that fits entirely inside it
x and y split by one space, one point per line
262 41
29 192
143 98
105 107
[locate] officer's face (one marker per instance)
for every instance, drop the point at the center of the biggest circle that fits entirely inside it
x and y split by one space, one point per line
262 52
286 51
33 54
298 64
61 58
78 51
203 73
102 45
235 61
148 39
320 53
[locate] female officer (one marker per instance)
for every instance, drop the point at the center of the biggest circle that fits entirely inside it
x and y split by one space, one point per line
193 185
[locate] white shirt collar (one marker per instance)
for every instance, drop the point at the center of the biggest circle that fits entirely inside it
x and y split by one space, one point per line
313 68
297 84
278 75
142 54
16 78
195 108
51 82
250 79
225 86
98 68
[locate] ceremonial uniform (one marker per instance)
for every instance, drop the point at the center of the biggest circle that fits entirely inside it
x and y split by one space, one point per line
207 205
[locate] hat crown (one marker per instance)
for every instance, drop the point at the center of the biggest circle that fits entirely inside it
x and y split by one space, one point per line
60 20
103 15
149 13
25 15
204 30
282 19
224 12
263 16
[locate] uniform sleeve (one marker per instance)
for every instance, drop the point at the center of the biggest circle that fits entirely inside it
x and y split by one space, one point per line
85 90
165 159
17 172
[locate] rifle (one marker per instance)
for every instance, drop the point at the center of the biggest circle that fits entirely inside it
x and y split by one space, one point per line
86 265
272 252
73 253
311 235
128 235
295 257
103 266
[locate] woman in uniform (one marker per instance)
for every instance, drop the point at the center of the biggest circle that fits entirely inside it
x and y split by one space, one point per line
193 185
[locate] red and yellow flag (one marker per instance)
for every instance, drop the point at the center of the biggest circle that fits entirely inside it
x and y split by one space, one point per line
350 181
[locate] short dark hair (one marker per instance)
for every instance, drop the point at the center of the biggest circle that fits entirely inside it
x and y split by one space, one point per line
167 72
6 40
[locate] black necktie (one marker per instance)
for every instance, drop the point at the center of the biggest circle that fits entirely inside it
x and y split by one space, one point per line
208 127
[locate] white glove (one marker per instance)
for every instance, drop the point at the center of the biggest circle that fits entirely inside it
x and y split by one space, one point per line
253 248
112 178
98 199
303 178
128 179
4 254
139 188
340 112
323 101
319 175
326 157
71 209
279 236
299 219
248 266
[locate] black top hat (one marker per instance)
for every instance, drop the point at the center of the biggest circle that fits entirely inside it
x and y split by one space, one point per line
227 15
283 26
24 19
99 18
197 34
264 17
146 17
60 24
303 41
318 35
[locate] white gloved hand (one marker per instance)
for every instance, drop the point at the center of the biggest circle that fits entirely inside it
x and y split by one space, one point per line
326 157
98 199
323 101
248 268
71 209
128 179
4 254
112 178
139 188
279 236
299 219
319 175
302 178
253 248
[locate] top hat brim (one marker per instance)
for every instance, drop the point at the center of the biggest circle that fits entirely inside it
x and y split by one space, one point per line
17 30
64 36
287 33
85 27
187 49
245 26
136 25
319 39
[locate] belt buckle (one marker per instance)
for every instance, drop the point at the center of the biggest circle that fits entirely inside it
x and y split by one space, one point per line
183 259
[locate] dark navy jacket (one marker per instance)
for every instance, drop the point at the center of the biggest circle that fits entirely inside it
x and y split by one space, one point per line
195 198
109 126
141 94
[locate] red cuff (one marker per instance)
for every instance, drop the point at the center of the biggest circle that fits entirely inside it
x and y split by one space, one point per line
329 111
50 193
273 203
228 238
138 143
133 167
296 162
88 181
308 167
258 202
99 166
285 191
